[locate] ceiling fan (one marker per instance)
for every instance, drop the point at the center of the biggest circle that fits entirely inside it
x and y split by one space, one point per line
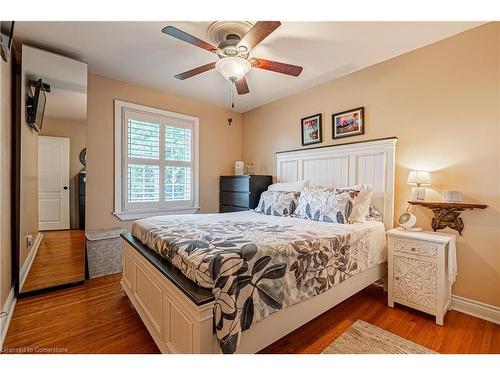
234 51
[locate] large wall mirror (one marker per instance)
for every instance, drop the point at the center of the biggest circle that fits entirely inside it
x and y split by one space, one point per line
51 142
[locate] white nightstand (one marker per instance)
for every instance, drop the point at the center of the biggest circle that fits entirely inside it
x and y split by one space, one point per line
418 270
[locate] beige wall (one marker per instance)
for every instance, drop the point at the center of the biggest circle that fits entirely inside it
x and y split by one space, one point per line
442 101
220 144
75 131
5 179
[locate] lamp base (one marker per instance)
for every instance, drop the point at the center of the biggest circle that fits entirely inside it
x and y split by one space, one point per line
418 194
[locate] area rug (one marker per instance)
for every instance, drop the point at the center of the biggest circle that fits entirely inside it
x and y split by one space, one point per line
365 338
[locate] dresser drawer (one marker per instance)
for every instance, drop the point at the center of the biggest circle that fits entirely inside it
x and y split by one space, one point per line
415 247
226 208
241 184
414 281
234 199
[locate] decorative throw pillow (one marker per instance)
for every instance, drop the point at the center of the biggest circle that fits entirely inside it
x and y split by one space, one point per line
361 206
373 214
278 203
324 204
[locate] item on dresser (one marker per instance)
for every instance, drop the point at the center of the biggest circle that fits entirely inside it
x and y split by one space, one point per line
452 196
422 268
289 186
278 203
418 178
324 204
241 193
249 168
239 168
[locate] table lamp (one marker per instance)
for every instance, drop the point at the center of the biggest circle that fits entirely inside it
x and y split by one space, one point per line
418 178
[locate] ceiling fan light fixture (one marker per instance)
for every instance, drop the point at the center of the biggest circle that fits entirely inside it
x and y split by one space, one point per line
233 68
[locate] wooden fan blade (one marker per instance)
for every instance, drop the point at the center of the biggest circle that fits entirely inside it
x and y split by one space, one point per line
258 33
242 86
279 67
185 37
195 71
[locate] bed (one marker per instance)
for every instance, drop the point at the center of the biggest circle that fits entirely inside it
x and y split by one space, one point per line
236 282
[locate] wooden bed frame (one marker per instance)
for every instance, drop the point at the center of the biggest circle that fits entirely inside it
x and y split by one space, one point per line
179 314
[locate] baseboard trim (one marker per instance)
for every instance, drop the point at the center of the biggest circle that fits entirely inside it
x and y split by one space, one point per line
10 303
23 273
475 308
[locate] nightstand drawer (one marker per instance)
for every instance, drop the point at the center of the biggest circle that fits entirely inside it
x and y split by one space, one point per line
416 248
414 281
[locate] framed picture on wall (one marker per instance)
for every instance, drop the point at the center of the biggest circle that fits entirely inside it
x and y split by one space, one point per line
311 130
348 123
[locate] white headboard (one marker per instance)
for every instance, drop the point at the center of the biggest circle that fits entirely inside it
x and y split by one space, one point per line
368 162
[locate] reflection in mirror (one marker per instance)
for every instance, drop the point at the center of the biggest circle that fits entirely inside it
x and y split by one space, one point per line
52 176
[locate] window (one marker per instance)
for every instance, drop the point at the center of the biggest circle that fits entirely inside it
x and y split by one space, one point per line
156 162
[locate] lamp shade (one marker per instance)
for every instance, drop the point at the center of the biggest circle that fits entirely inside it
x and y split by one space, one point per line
233 68
419 178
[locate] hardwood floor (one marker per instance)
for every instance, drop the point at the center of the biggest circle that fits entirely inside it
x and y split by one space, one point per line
460 334
60 259
97 318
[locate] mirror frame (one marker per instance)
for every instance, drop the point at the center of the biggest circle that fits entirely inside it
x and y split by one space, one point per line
17 122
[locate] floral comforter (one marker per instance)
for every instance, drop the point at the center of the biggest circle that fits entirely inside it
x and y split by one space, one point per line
257 264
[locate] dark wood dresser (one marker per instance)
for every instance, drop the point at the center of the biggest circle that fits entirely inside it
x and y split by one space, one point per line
241 193
82 182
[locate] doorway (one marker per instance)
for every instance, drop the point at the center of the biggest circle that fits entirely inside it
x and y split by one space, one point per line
53 183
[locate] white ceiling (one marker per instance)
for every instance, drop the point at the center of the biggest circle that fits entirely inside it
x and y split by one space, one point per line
138 52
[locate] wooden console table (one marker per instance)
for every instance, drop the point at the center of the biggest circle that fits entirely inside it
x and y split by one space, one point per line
447 214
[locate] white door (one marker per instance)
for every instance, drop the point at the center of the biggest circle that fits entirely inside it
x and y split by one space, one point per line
53 183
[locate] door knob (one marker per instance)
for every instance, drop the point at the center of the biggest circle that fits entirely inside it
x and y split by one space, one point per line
65 188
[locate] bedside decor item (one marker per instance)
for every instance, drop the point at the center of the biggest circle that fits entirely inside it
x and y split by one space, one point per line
418 178
311 130
446 214
241 193
422 268
348 123
452 196
239 168
407 221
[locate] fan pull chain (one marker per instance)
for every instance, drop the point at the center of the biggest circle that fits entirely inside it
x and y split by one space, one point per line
232 94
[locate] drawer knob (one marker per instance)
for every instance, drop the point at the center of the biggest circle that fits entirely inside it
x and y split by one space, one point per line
412 249
396 278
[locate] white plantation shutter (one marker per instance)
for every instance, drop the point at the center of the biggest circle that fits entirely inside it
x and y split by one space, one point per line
158 167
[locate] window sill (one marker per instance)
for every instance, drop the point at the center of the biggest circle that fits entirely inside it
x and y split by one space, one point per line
134 215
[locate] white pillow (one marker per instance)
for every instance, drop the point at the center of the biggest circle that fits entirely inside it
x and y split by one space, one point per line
361 205
289 186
